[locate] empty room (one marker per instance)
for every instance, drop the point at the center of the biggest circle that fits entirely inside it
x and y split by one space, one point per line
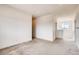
39 29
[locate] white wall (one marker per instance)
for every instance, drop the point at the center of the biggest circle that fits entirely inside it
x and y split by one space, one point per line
68 34
45 27
59 34
77 30
15 26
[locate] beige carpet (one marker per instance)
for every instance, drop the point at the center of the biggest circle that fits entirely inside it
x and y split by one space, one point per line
41 47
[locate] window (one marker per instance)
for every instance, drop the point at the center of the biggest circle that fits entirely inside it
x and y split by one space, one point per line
65 25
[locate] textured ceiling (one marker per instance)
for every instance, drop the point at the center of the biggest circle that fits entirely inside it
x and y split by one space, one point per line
42 9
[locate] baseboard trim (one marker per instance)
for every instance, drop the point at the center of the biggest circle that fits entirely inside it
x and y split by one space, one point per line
44 40
15 45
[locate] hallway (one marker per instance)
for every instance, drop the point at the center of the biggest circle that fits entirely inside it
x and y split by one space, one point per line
41 47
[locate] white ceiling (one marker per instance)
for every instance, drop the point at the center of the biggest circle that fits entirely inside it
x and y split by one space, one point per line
42 9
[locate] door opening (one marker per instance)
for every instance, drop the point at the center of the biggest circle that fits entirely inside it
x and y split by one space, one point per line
33 26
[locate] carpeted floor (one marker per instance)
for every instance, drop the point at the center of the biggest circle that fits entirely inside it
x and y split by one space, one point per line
41 47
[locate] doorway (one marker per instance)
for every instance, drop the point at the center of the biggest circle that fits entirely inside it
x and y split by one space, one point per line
33 27
65 28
